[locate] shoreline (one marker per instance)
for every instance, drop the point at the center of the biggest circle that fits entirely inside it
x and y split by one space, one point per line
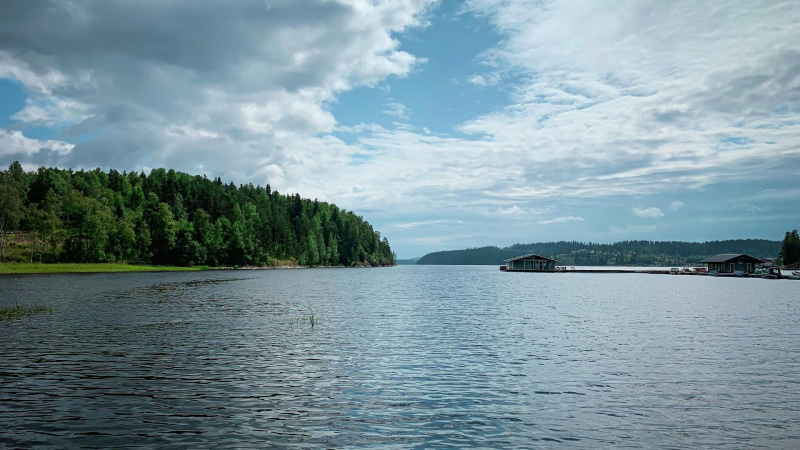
297 266
56 268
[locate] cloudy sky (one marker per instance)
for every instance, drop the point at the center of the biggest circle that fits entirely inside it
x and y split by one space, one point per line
445 124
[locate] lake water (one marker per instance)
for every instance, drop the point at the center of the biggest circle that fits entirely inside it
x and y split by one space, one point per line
412 356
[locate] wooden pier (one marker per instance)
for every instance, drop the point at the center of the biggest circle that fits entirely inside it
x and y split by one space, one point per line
653 271
659 271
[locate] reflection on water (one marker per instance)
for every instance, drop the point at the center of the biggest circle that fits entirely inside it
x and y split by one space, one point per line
406 356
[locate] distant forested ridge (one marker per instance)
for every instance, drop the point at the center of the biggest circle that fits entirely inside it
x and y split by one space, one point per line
407 262
173 218
619 253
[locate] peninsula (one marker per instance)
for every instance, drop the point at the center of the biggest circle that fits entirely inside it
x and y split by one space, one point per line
137 221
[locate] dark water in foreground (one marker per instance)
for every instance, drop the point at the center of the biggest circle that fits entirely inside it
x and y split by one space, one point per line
404 357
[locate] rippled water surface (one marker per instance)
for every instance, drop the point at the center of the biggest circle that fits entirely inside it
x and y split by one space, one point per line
408 356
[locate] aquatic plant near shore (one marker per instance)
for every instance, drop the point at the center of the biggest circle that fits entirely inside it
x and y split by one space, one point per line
10 312
310 320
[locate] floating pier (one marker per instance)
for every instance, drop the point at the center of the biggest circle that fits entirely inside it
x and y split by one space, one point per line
561 269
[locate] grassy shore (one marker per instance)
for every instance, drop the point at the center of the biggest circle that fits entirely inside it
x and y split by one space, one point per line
12 312
13 268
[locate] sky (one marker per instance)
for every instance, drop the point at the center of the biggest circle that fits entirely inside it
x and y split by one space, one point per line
445 124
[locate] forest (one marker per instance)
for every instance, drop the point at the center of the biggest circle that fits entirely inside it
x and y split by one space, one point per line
174 218
790 249
619 254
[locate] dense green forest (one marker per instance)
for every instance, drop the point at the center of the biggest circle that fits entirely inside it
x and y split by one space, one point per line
619 253
173 218
790 249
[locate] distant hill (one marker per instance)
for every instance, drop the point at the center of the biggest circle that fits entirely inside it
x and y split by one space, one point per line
407 262
620 253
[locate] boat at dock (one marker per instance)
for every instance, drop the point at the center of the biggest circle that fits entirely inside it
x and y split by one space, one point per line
773 273
688 271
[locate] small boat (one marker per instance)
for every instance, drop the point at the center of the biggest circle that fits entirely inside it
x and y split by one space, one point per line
793 277
674 271
773 273
739 273
713 273
796 273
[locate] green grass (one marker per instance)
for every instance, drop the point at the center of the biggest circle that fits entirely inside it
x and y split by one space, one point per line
12 268
11 312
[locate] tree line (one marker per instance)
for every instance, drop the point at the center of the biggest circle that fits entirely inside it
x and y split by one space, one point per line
173 218
619 253
790 249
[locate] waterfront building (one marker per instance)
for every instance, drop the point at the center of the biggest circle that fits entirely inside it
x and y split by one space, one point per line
732 262
530 263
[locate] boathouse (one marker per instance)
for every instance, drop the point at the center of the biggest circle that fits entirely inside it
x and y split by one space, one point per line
732 262
530 263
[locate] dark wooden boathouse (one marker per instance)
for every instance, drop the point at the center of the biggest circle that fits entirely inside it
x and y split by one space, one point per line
732 262
530 263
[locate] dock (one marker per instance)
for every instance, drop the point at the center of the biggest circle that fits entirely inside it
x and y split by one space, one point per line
650 271
659 271
725 265
567 270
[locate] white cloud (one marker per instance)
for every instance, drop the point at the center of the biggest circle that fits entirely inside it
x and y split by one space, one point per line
514 210
15 144
752 209
486 79
562 220
651 213
425 223
51 111
676 205
236 97
398 110
439 240
477 80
